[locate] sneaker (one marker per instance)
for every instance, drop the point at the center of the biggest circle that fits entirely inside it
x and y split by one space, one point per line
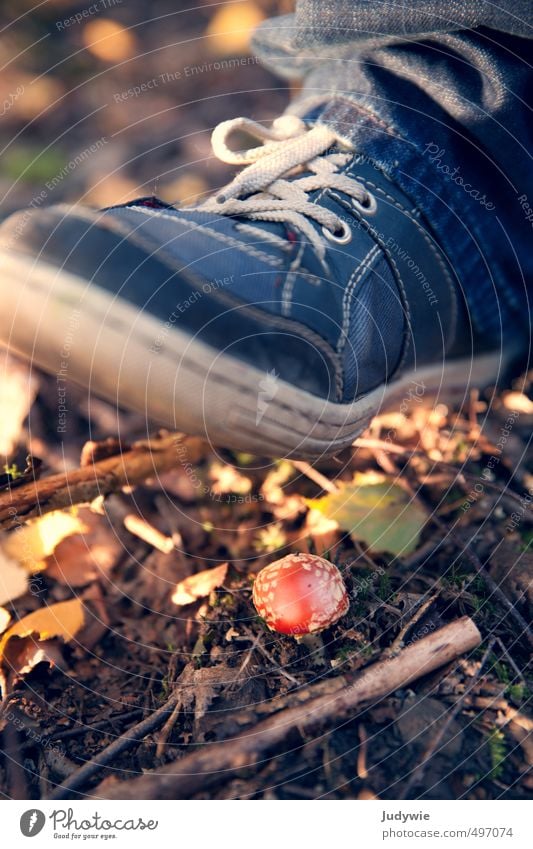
278 317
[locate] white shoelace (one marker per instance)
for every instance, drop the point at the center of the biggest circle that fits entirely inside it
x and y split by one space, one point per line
259 191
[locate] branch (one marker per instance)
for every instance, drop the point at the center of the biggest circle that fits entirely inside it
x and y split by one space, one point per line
217 762
145 459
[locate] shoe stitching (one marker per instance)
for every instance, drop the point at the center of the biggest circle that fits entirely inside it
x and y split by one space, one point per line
290 281
311 337
228 240
408 333
432 247
306 333
264 235
357 275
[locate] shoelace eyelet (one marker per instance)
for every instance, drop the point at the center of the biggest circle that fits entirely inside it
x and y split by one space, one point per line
367 208
342 237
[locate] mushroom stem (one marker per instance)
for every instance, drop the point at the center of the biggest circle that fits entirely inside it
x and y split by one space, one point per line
315 648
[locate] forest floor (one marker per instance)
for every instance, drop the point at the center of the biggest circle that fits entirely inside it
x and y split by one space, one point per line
438 522
163 573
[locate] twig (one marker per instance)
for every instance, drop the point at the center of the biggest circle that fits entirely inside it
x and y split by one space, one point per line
85 729
146 459
362 771
167 729
116 748
423 553
218 762
519 673
460 475
398 641
317 477
266 654
139 527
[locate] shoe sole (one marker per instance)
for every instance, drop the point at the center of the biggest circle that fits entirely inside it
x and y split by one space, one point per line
80 332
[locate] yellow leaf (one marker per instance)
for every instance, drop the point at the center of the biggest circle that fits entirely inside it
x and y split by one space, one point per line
199 585
32 543
376 511
109 41
63 619
34 639
231 27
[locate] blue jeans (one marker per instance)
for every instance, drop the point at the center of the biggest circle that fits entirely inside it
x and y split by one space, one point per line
435 92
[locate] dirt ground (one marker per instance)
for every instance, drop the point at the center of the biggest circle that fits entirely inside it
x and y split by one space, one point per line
211 666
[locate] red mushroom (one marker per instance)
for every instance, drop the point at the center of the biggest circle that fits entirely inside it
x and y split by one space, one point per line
300 594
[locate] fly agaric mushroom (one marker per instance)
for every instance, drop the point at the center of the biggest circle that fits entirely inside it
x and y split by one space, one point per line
300 594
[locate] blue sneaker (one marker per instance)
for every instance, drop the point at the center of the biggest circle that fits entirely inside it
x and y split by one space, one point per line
278 317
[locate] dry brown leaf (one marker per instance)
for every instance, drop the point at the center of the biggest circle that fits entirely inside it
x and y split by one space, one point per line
13 579
231 28
5 619
73 547
33 542
109 41
81 558
32 639
199 585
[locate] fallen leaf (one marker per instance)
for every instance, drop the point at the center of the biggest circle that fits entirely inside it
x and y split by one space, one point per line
63 619
373 510
73 547
33 542
227 479
13 579
32 639
231 28
199 585
5 619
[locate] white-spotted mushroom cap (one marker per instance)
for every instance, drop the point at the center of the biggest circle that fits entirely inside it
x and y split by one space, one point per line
300 594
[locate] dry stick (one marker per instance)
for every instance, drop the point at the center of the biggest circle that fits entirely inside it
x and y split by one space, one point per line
143 460
84 729
217 762
117 747
317 477
417 615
